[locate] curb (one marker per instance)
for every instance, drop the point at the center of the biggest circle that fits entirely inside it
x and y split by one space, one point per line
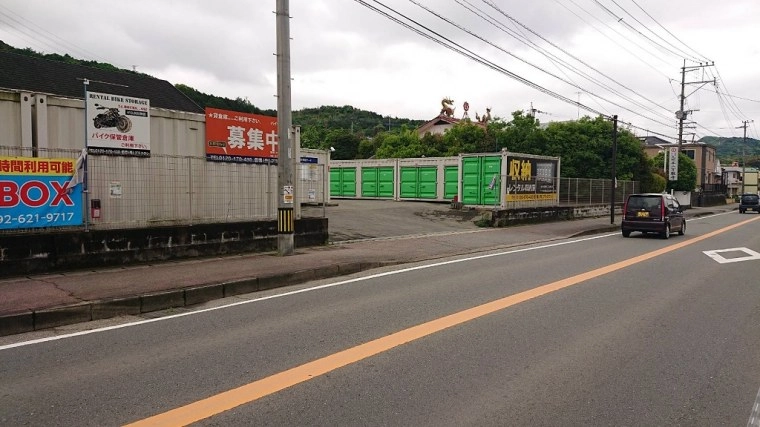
47 318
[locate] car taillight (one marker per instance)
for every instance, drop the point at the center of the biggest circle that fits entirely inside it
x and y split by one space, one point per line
662 210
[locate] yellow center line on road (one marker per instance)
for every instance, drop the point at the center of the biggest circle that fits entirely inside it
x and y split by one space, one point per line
227 400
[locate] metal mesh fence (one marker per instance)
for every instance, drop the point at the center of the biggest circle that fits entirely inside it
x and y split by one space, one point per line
584 191
163 190
179 190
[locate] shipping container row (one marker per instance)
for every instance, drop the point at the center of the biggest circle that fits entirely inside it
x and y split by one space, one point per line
507 180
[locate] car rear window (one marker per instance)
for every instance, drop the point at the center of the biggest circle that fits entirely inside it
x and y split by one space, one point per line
644 202
750 198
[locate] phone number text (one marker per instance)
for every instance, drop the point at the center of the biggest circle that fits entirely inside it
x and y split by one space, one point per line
34 219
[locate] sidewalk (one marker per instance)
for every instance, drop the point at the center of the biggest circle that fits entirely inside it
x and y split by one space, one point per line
47 301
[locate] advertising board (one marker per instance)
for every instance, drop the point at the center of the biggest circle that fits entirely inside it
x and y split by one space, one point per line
531 179
118 125
237 137
35 193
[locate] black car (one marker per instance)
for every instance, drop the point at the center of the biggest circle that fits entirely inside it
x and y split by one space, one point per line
749 202
652 213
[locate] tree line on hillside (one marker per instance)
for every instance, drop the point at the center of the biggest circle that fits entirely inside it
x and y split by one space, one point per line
584 146
735 149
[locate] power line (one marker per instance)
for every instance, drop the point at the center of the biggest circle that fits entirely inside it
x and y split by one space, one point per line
642 48
671 34
537 67
686 55
42 35
585 75
449 44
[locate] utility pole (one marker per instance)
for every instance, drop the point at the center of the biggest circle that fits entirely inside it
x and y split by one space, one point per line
744 147
285 181
681 114
614 177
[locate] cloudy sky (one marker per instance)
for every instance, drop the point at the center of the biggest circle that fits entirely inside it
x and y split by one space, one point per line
615 57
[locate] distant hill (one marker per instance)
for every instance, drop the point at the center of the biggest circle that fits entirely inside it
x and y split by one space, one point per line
729 149
346 118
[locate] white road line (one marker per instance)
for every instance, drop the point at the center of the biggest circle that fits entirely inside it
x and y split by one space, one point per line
754 417
299 291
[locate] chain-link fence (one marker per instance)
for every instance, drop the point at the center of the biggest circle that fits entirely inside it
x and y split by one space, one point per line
584 191
538 191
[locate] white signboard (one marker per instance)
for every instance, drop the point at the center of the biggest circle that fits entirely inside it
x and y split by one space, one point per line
118 125
287 194
673 164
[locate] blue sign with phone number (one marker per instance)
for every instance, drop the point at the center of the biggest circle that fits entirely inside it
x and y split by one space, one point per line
37 201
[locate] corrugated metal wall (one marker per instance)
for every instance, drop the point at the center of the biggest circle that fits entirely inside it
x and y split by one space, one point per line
176 185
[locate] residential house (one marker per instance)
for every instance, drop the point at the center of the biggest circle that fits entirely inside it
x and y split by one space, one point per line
740 180
704 156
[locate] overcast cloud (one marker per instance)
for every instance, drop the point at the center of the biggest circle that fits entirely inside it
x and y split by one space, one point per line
343 53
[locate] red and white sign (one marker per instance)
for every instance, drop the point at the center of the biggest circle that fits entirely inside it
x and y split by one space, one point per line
232 136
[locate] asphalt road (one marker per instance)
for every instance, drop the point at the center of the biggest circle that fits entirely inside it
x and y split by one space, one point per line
594 331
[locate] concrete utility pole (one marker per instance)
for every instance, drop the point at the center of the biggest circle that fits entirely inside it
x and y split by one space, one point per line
285 182
744 147
614 172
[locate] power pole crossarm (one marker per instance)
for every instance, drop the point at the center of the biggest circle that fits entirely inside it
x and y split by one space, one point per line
681 114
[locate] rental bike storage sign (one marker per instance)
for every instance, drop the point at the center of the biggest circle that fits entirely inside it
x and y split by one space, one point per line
118 125
35 193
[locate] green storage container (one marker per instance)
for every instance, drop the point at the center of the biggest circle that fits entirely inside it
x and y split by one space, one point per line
481 180
342 182
419 182
450 182
377 182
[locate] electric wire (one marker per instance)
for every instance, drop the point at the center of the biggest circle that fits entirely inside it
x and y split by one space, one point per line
671 34
44 37
530 64
566 81
50 36
646 63
621 35
682 52
502 12
449 44
630 27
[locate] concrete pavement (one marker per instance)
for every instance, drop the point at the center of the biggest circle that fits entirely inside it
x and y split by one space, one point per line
47 301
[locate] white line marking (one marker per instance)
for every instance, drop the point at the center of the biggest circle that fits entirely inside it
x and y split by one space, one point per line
720 259
754 417
300 291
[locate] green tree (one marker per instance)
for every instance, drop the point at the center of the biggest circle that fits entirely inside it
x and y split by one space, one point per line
585 149
345 143
520 135
404 144
465 137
